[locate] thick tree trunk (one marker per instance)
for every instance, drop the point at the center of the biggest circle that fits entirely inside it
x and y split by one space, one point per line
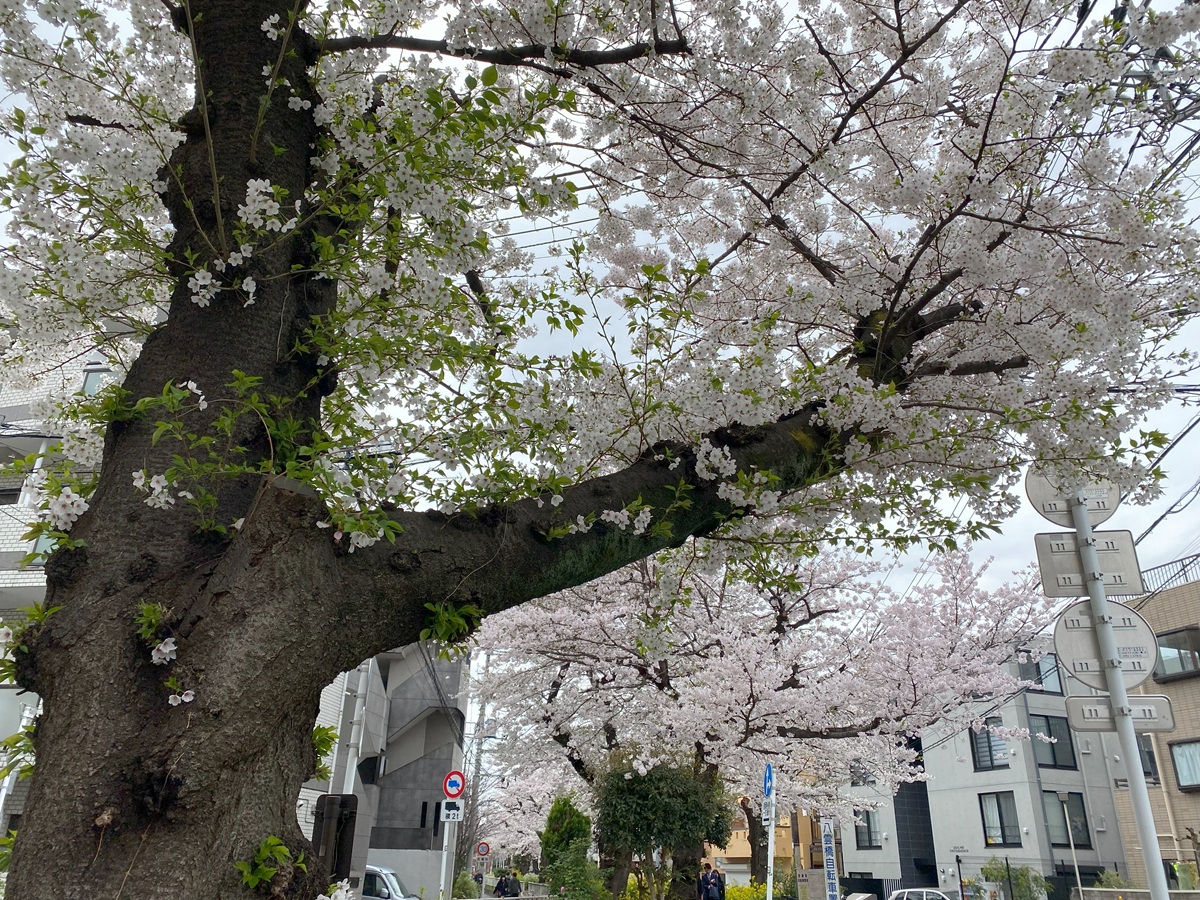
756 834
618 867
685 871
133 797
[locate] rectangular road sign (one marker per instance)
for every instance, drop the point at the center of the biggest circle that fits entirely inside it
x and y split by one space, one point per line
1062 569
452 811
1149 713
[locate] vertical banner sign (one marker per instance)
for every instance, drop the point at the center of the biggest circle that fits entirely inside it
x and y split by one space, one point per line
829 851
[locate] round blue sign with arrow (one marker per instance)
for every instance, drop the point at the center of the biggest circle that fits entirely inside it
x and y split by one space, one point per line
768 781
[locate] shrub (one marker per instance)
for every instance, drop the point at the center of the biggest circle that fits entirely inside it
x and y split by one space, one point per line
464 887
753 891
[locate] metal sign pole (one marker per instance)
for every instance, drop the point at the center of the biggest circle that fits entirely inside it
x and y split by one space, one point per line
445 858
1156 878
769 820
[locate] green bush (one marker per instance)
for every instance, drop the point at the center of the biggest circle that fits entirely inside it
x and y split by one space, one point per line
1107 879
753 891
464 887
575 877
1027 882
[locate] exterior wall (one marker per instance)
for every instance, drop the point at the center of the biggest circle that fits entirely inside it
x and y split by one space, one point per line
1175 811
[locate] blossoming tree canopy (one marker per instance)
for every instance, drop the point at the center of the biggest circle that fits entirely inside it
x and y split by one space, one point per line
813 665
829 262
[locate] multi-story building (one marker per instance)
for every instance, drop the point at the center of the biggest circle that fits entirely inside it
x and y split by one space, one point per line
1173 610
1047 802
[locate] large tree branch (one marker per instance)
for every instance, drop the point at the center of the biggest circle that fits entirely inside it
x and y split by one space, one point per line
505 555
510 56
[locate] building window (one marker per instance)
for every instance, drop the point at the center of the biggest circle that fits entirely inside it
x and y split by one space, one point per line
987 750
1185 756
1149 760
860 774
94 380
866 830
42 547
1043 671
999 812
1056 820
1060 754
1178 654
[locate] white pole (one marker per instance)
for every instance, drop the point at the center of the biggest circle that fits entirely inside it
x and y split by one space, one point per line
769 819
1063 797
445 858
1143 815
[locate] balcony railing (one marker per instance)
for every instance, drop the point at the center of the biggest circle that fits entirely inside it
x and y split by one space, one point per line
1172 574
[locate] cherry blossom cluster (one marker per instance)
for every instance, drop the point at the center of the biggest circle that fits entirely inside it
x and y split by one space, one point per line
158 488
164 652
339 891
63 504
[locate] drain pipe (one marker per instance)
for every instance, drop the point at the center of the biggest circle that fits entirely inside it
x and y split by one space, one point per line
354 747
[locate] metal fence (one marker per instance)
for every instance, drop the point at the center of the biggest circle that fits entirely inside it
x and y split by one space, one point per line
1181 571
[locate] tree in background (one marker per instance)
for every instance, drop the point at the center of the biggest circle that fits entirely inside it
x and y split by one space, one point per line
831 263
565 826
644 814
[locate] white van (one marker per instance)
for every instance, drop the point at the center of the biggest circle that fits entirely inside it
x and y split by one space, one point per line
381 883
919 894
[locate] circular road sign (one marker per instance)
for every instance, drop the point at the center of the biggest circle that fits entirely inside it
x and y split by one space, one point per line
483 849
1079 651
1053 503
454 784
768 780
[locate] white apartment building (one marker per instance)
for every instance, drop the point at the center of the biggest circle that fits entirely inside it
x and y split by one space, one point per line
986 797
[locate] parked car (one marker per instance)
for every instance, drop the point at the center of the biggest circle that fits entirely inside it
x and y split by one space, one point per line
920 894
382 883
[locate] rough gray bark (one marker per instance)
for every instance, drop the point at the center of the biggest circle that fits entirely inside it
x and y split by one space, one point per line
134 798
756 835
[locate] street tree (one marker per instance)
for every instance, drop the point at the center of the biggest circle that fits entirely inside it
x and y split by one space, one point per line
810 663
832 261
642 815
565 826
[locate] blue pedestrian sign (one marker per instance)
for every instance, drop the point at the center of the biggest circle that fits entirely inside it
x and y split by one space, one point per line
768 781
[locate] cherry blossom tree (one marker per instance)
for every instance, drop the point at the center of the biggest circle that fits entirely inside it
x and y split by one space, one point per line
810 663
833 260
